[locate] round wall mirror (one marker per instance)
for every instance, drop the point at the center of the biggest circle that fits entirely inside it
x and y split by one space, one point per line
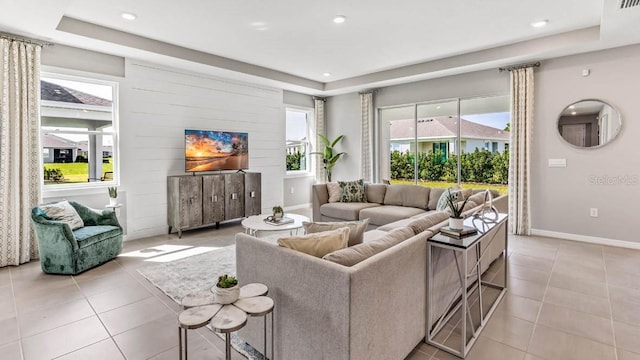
589 123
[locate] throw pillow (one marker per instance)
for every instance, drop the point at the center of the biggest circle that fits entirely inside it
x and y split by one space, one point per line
65 212
460 193
356 228
335 192
423 223
353 191
355 254
318 244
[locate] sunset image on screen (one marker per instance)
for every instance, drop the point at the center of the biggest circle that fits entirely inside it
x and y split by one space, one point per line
215 150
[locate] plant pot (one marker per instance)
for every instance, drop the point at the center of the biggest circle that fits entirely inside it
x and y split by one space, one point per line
226 296
278 216
113 201
456 223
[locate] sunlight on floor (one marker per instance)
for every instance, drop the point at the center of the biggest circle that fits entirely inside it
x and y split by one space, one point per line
155 251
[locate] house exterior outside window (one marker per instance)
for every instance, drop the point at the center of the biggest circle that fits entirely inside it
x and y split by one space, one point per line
78 132
298 144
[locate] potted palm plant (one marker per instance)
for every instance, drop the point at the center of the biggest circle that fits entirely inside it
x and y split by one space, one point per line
455 220
329 156
226 290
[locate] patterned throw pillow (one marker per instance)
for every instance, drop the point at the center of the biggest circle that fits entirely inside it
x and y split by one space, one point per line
65 212
353 191
460 194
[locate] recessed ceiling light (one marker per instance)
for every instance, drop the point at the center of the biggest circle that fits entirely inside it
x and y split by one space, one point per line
339 19
540 23
327 74
572 107
128 16
573 113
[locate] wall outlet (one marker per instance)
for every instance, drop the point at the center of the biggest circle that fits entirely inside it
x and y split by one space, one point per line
292 190
594 212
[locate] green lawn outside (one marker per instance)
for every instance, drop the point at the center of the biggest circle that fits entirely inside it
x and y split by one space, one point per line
502 189
74 172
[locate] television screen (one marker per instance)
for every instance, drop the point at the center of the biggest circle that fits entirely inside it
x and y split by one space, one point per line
207 150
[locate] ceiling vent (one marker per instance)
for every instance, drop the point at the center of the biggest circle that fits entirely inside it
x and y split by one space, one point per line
625 4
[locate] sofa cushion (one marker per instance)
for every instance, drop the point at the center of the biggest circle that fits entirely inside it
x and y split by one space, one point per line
356 228
427 221
89 235
334 191
355 254
383 215
373 234
63 211
353 191
396 224
344 211
318 244
375 192
407 195
434 197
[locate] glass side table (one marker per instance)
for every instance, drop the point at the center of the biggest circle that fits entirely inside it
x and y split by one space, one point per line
466 313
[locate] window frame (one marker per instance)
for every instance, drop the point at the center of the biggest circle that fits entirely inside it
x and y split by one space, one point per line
310 143
82 187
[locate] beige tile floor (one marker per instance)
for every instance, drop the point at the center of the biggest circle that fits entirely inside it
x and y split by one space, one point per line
566 300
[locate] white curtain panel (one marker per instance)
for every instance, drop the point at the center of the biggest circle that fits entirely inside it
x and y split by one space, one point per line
366 135
522 89
319 125
19 149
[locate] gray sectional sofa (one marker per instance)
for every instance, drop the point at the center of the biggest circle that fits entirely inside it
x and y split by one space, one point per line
375 309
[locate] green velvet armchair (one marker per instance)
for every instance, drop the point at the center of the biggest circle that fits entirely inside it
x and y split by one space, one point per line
66 251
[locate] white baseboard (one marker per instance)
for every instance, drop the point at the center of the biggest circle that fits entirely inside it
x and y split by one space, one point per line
296 207
587 239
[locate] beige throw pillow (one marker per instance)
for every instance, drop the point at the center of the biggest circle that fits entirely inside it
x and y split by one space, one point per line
335 192
356 228
355 254
318 244
65 212
423 223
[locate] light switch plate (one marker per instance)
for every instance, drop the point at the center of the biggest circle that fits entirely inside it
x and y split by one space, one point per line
557 162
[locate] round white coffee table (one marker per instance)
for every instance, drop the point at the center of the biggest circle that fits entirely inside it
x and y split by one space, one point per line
256 223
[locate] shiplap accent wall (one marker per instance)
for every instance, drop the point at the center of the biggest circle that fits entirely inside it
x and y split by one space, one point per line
158 103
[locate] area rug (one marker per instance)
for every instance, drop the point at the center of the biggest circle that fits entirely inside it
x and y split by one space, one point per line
194 273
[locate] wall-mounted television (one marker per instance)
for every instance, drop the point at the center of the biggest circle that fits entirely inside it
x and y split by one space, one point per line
208 150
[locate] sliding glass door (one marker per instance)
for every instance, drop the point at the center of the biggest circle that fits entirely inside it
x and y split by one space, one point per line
442 143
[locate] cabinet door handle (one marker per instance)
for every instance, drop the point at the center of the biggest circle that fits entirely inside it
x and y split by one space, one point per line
234 196
214 198
253 194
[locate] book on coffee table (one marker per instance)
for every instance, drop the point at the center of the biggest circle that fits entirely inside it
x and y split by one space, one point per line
458 233
282 221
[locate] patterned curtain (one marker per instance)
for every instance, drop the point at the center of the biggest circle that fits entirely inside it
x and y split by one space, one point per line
366 135
319 127
520 150
19 149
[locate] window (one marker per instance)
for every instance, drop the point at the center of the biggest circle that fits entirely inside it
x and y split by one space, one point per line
298 125
78 131
441 143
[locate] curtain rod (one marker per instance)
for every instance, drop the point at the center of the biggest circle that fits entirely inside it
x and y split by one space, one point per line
372 91
12 37
521 66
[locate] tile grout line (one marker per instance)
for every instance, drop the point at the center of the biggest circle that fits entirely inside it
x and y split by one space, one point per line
15 308
613 328
99 319
546 289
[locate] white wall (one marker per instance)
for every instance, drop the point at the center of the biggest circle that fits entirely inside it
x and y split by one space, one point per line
343 118
562 197
158 104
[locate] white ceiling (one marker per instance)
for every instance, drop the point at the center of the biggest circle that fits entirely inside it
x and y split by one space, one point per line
381 42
